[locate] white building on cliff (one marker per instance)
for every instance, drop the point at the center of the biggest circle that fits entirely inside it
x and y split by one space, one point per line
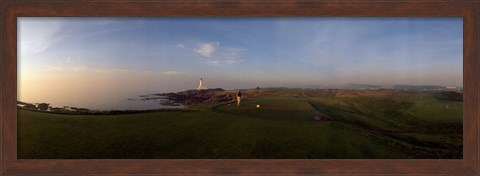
201 86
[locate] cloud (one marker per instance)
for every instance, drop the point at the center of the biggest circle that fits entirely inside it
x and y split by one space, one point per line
221 62
180 45
216 55
172 73
37 35
84 69
67 67
207 49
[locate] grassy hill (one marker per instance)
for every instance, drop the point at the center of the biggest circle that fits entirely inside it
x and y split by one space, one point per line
361 124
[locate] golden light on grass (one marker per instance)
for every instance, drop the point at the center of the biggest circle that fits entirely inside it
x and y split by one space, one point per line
258 106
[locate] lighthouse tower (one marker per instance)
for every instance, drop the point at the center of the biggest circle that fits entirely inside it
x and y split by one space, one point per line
201 86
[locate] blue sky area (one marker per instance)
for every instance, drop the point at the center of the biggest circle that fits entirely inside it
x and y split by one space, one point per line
168 54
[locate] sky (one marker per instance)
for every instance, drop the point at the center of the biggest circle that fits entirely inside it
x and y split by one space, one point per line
84 57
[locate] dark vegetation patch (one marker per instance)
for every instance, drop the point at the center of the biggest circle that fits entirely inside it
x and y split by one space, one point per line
449 96
192 97
84 111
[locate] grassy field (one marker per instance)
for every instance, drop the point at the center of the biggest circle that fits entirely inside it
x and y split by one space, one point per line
360 124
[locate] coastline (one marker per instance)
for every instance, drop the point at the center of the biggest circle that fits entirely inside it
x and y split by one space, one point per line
179 101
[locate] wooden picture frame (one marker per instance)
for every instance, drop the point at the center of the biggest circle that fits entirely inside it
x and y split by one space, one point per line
10 10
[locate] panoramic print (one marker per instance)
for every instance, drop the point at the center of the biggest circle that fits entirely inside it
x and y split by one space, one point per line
240 88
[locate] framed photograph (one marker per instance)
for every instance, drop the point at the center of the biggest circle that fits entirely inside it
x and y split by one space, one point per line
256 87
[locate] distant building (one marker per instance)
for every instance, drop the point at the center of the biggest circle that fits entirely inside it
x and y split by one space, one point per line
201 86
455 89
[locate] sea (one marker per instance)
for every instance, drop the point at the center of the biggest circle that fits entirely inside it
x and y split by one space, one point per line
140 102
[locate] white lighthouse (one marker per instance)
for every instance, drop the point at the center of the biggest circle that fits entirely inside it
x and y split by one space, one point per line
201 86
